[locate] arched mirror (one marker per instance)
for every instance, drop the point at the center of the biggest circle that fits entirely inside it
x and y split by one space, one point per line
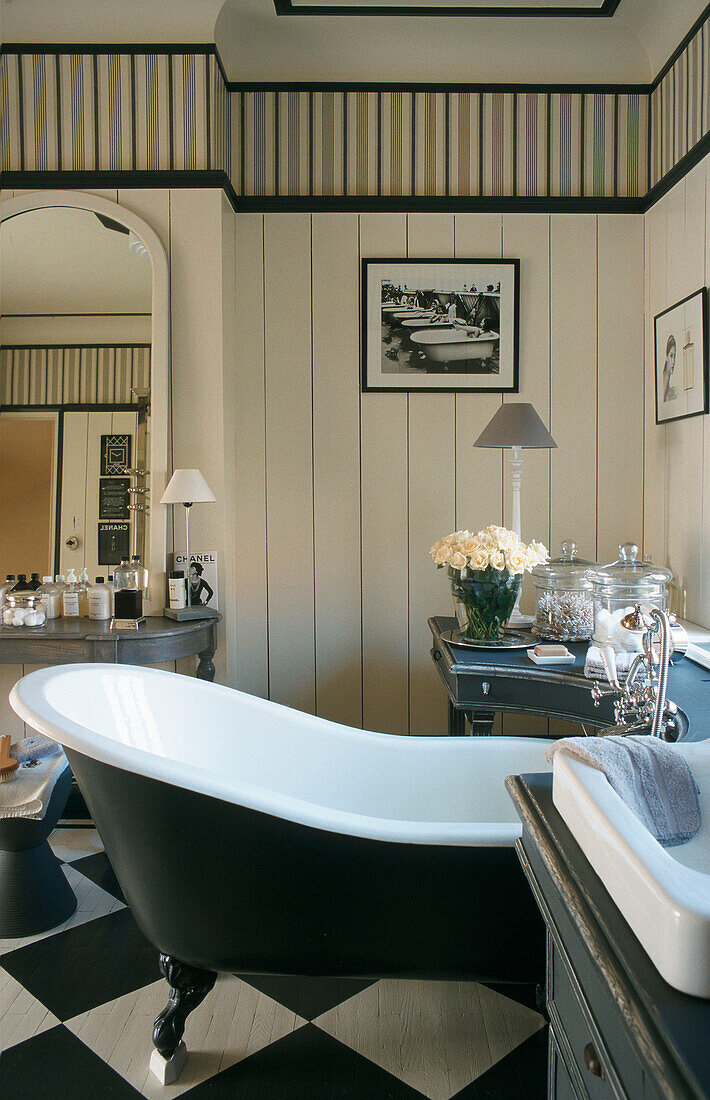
83 388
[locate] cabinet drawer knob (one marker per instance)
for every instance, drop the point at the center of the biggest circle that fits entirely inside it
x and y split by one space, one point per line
591 1061
485 687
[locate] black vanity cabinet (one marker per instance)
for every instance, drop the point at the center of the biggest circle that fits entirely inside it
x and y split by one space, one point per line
617 1030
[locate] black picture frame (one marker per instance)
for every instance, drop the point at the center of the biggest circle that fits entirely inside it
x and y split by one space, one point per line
484 292
685 320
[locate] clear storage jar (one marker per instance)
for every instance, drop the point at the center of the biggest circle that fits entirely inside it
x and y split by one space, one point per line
23 608
563 608
617 588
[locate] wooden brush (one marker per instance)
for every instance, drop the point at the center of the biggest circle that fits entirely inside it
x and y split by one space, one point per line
8 764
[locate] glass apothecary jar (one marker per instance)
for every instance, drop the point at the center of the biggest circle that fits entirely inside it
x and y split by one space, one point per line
564 610
617 588
23 608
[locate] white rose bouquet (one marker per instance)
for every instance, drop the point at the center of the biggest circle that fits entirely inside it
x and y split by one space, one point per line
493 547
486 570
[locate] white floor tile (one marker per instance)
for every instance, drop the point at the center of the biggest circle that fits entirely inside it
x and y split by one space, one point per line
21 1015
92 902
71 844
435 1036
233 1021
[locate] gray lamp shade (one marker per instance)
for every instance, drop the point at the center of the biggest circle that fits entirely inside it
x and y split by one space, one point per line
515 425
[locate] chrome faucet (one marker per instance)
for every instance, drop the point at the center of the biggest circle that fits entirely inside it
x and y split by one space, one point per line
641 704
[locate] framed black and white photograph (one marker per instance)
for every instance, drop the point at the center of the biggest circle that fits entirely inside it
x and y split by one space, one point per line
681 359
440 325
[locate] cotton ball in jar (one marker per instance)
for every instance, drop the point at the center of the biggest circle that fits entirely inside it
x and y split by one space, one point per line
8 615
32 618
41 616
19 615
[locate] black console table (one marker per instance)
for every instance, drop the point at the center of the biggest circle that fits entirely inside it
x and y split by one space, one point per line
480 682
66 641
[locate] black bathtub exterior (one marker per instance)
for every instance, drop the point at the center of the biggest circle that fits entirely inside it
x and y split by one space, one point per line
230 889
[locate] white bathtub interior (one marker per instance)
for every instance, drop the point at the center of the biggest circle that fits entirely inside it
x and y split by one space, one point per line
245 749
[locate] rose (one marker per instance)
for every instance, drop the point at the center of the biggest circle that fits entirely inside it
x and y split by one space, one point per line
517 561
497 559
458 560
479 559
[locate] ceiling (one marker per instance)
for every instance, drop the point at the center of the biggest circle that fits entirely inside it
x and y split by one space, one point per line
258 45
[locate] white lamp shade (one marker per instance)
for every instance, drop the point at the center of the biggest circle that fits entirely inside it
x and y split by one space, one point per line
187 487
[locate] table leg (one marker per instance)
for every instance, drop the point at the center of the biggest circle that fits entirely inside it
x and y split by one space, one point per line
457 721
481 722
205 668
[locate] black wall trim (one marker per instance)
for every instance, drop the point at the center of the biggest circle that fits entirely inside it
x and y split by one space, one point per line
285 7
369 86
684 165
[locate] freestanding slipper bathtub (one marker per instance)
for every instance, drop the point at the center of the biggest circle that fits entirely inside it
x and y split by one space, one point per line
249 837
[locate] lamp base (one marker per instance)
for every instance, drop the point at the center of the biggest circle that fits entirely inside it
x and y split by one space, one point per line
180 614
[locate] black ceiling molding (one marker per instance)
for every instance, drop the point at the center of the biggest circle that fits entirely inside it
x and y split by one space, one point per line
287 7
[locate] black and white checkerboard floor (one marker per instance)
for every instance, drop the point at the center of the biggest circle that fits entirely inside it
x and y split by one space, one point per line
77 1006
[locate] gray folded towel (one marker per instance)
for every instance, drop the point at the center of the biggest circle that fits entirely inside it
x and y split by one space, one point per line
654 781
35 748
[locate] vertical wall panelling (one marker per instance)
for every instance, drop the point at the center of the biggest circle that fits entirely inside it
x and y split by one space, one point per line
654 518
620 373
704 611
336 466
251 603
197 367
573 382
432 505
385 524
289 457
479 489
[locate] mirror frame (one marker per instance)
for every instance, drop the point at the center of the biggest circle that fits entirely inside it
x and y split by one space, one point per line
156 543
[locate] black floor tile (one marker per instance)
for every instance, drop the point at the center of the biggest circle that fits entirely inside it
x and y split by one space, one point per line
85 966
100 871
525 993
57 1066
305 1065
307 997
521 1075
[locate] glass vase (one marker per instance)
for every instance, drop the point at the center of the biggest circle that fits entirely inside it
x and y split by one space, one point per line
483 600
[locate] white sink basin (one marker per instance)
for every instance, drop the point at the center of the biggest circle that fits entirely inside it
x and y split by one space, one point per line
664 893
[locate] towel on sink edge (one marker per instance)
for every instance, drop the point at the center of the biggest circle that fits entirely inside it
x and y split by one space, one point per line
654 781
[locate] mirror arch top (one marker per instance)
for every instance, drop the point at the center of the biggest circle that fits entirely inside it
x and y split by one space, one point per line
160 357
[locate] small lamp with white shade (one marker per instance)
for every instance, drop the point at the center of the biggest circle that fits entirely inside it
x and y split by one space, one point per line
515 427
188 487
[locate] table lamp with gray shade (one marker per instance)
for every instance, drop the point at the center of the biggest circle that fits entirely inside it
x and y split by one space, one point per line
515 427
188 487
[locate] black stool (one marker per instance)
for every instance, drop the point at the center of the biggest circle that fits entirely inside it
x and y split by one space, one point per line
34 894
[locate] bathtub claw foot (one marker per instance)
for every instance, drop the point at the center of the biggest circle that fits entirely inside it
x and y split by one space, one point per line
188 988
168 1070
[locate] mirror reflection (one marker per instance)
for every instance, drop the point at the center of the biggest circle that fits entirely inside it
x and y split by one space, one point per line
75 371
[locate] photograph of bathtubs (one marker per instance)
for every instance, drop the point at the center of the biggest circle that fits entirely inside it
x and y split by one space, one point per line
440 325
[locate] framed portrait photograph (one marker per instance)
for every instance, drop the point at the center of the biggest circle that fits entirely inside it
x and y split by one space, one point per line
681 359
440 325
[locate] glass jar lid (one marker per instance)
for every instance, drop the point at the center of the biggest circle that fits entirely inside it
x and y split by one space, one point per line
568 571
629 571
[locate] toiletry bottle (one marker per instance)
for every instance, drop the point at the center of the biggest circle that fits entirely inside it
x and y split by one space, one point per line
142 574
34 584
128 598
70 597
20 584
177 592
112 591
9 582
99 600
51 598
84 593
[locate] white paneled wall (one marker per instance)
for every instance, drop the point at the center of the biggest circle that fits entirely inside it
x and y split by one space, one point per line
677 505
340 494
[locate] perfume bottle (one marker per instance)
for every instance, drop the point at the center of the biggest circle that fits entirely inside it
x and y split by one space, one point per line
688 362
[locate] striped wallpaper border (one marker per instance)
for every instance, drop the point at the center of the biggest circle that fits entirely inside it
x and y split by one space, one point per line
76 374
